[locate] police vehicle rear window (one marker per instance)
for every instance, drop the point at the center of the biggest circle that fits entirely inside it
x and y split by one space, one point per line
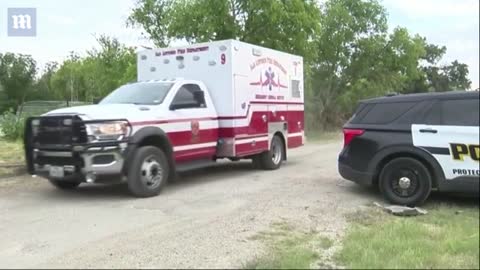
460 112
382 113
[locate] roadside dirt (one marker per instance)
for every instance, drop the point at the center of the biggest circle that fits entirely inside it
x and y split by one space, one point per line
204 220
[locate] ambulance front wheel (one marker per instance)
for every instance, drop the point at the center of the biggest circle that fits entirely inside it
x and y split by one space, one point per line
148 172
405 181
272 159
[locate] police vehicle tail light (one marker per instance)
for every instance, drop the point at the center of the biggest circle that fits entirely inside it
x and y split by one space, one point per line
350 134
108 131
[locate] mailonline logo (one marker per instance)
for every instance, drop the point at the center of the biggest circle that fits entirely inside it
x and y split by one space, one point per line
22 22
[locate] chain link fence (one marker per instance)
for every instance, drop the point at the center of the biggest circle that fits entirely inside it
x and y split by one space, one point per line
12 123
32 108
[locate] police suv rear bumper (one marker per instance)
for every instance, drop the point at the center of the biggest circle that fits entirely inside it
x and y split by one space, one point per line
362 178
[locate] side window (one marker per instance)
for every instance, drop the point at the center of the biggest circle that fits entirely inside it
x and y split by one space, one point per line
460 112
189 96
384 113
433 116
296 88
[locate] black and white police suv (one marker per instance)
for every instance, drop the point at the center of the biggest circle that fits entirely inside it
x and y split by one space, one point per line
409 145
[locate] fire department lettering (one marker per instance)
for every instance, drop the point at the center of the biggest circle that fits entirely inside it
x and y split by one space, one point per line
460 150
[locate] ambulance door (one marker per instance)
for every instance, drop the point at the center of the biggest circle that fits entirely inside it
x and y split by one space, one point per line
451 135
193 130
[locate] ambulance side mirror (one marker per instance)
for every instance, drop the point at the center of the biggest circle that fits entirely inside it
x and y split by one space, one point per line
174 107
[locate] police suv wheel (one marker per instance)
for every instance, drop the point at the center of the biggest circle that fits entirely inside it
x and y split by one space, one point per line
64 184
272 159
405 181
148 172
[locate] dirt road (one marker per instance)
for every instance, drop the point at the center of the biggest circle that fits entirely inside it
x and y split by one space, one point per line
206 219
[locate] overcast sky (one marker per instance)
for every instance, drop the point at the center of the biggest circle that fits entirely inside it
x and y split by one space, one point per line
71 25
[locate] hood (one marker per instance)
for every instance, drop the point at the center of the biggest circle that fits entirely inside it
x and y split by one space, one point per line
104 111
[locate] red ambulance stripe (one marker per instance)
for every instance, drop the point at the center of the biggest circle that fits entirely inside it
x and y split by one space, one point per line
293 118
180 138
157 122
276 103
242 137
246 149
188 155
295 141
257 127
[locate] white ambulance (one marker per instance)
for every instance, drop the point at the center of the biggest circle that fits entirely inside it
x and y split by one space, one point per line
191 106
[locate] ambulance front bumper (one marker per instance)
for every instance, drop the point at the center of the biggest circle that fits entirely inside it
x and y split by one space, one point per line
60 147
89 163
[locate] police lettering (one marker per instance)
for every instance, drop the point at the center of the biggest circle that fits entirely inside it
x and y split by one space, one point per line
466 172
459 150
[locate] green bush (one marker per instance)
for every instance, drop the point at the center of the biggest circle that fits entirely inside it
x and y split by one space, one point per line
11 126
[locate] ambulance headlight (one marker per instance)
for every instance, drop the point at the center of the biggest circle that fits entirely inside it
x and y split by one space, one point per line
108 131
35 124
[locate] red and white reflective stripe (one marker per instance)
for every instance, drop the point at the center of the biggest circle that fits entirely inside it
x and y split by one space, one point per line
178 124
225 121
276 103
250 136
251 140
297 134
296 107
194 146
170 121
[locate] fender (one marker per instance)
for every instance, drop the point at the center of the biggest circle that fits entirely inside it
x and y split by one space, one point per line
148 136
407 150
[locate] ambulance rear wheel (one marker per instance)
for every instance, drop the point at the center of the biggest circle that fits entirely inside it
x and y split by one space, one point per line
148 172
272 159
405 181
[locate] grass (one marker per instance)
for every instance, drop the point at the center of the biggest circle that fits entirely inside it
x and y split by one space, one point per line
288 248
10 153
447 237
315 136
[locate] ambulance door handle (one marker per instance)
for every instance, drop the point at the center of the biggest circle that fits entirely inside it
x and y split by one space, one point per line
264 117
428 130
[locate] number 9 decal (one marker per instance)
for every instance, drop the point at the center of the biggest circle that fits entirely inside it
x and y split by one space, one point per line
223 59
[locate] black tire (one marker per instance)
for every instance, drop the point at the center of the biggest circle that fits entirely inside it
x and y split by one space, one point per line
256 162
64 184
405 181
148 172
272 159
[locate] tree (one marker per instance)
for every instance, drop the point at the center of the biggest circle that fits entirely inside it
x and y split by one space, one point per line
43 88
451 77
17 75
349 54
278 24
357 58
67 80
97 74
107 68
438 78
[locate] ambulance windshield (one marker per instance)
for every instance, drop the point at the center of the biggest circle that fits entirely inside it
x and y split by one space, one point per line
143 93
